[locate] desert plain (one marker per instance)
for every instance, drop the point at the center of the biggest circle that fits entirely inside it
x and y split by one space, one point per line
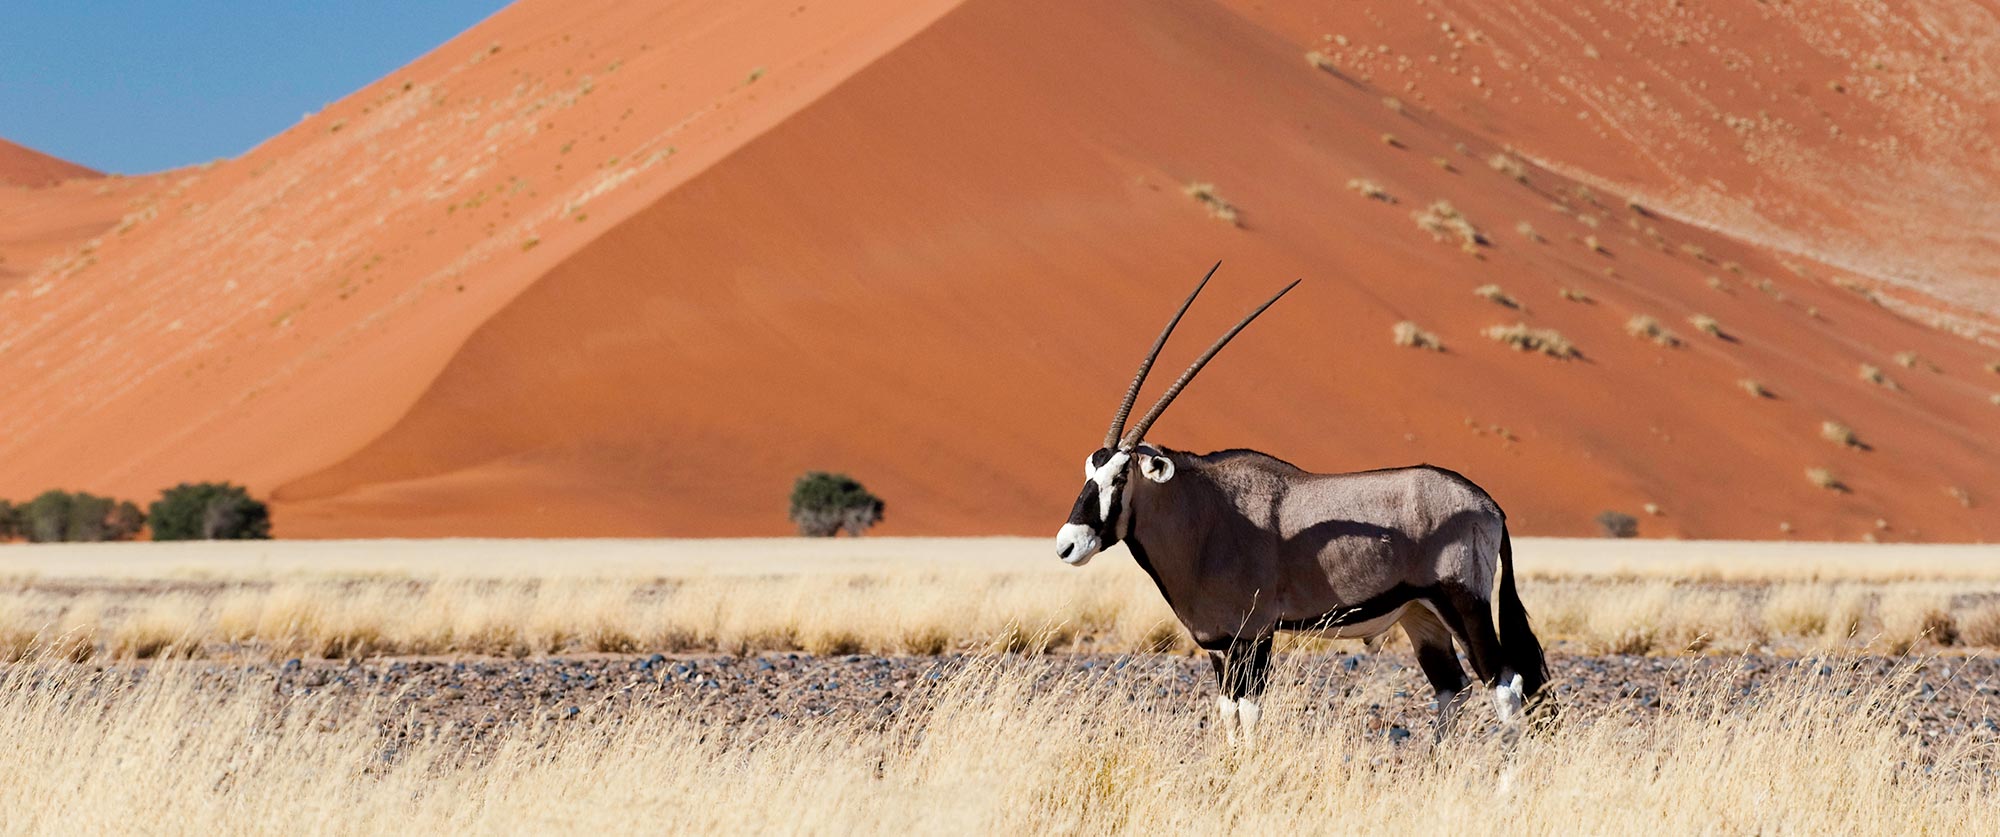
948 684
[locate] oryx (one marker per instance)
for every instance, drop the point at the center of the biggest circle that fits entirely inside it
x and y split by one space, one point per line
1242 544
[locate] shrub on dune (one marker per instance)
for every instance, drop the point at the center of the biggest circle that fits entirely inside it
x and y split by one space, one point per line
209 511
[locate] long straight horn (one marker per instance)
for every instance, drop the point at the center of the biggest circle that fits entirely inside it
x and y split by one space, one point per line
1132 392
1138 431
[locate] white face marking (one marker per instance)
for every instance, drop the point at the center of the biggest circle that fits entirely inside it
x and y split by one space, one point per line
1076 543
1106 477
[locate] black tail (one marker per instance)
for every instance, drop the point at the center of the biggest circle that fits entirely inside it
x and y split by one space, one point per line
1518 644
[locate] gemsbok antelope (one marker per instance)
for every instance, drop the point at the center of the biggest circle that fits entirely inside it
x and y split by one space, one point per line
1242 545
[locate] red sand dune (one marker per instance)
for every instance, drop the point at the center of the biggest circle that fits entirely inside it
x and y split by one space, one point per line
22 166
598 269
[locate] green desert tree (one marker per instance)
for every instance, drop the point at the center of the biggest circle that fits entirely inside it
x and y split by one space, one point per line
82 517
10 521
824 504
209 511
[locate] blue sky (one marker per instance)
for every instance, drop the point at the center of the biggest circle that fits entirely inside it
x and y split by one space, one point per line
135 87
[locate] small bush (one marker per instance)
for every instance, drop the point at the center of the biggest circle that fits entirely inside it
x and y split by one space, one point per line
10 521
1908 360
1409 334
1527 231
1755 389
1644 326
1548 341
1319 60
1706 325
1617 524
1574 295
211 511
824 504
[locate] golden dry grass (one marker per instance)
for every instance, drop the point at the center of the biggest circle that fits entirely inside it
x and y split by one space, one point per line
918 596
995 751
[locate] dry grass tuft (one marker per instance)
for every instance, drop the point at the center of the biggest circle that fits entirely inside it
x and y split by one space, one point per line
1527 231
1574 295
1907 360
1993 367
1217 207
1319 60
1706 325
1370 189
1645 327
1874 376
1547 341
1493 294
1509 165
1839 434
1444 222
1756 390
1595 246
1392 141
1409 334
1825 479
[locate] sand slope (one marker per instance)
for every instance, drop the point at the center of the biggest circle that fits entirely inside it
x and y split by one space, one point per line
589 270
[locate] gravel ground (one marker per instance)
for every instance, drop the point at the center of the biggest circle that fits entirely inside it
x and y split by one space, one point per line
470 699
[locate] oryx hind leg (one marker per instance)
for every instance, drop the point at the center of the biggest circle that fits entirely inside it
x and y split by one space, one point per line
1470 616
1432 641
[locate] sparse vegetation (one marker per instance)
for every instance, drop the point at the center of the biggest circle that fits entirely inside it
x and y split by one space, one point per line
1409 334
1444 222
1524 339
1319 60
1493 294
1617 524
1755 389
1217 207
1716 283
1392 103
1993 367
1370 189
1527 231
1706 325
10 521
1392 141
824 505
1574 295
1645 327
1595 246
1839 434
1825 478
209 511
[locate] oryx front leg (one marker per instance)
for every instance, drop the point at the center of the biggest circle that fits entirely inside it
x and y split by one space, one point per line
1242 671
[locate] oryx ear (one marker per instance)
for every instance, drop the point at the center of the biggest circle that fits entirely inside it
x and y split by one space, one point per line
1156 468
